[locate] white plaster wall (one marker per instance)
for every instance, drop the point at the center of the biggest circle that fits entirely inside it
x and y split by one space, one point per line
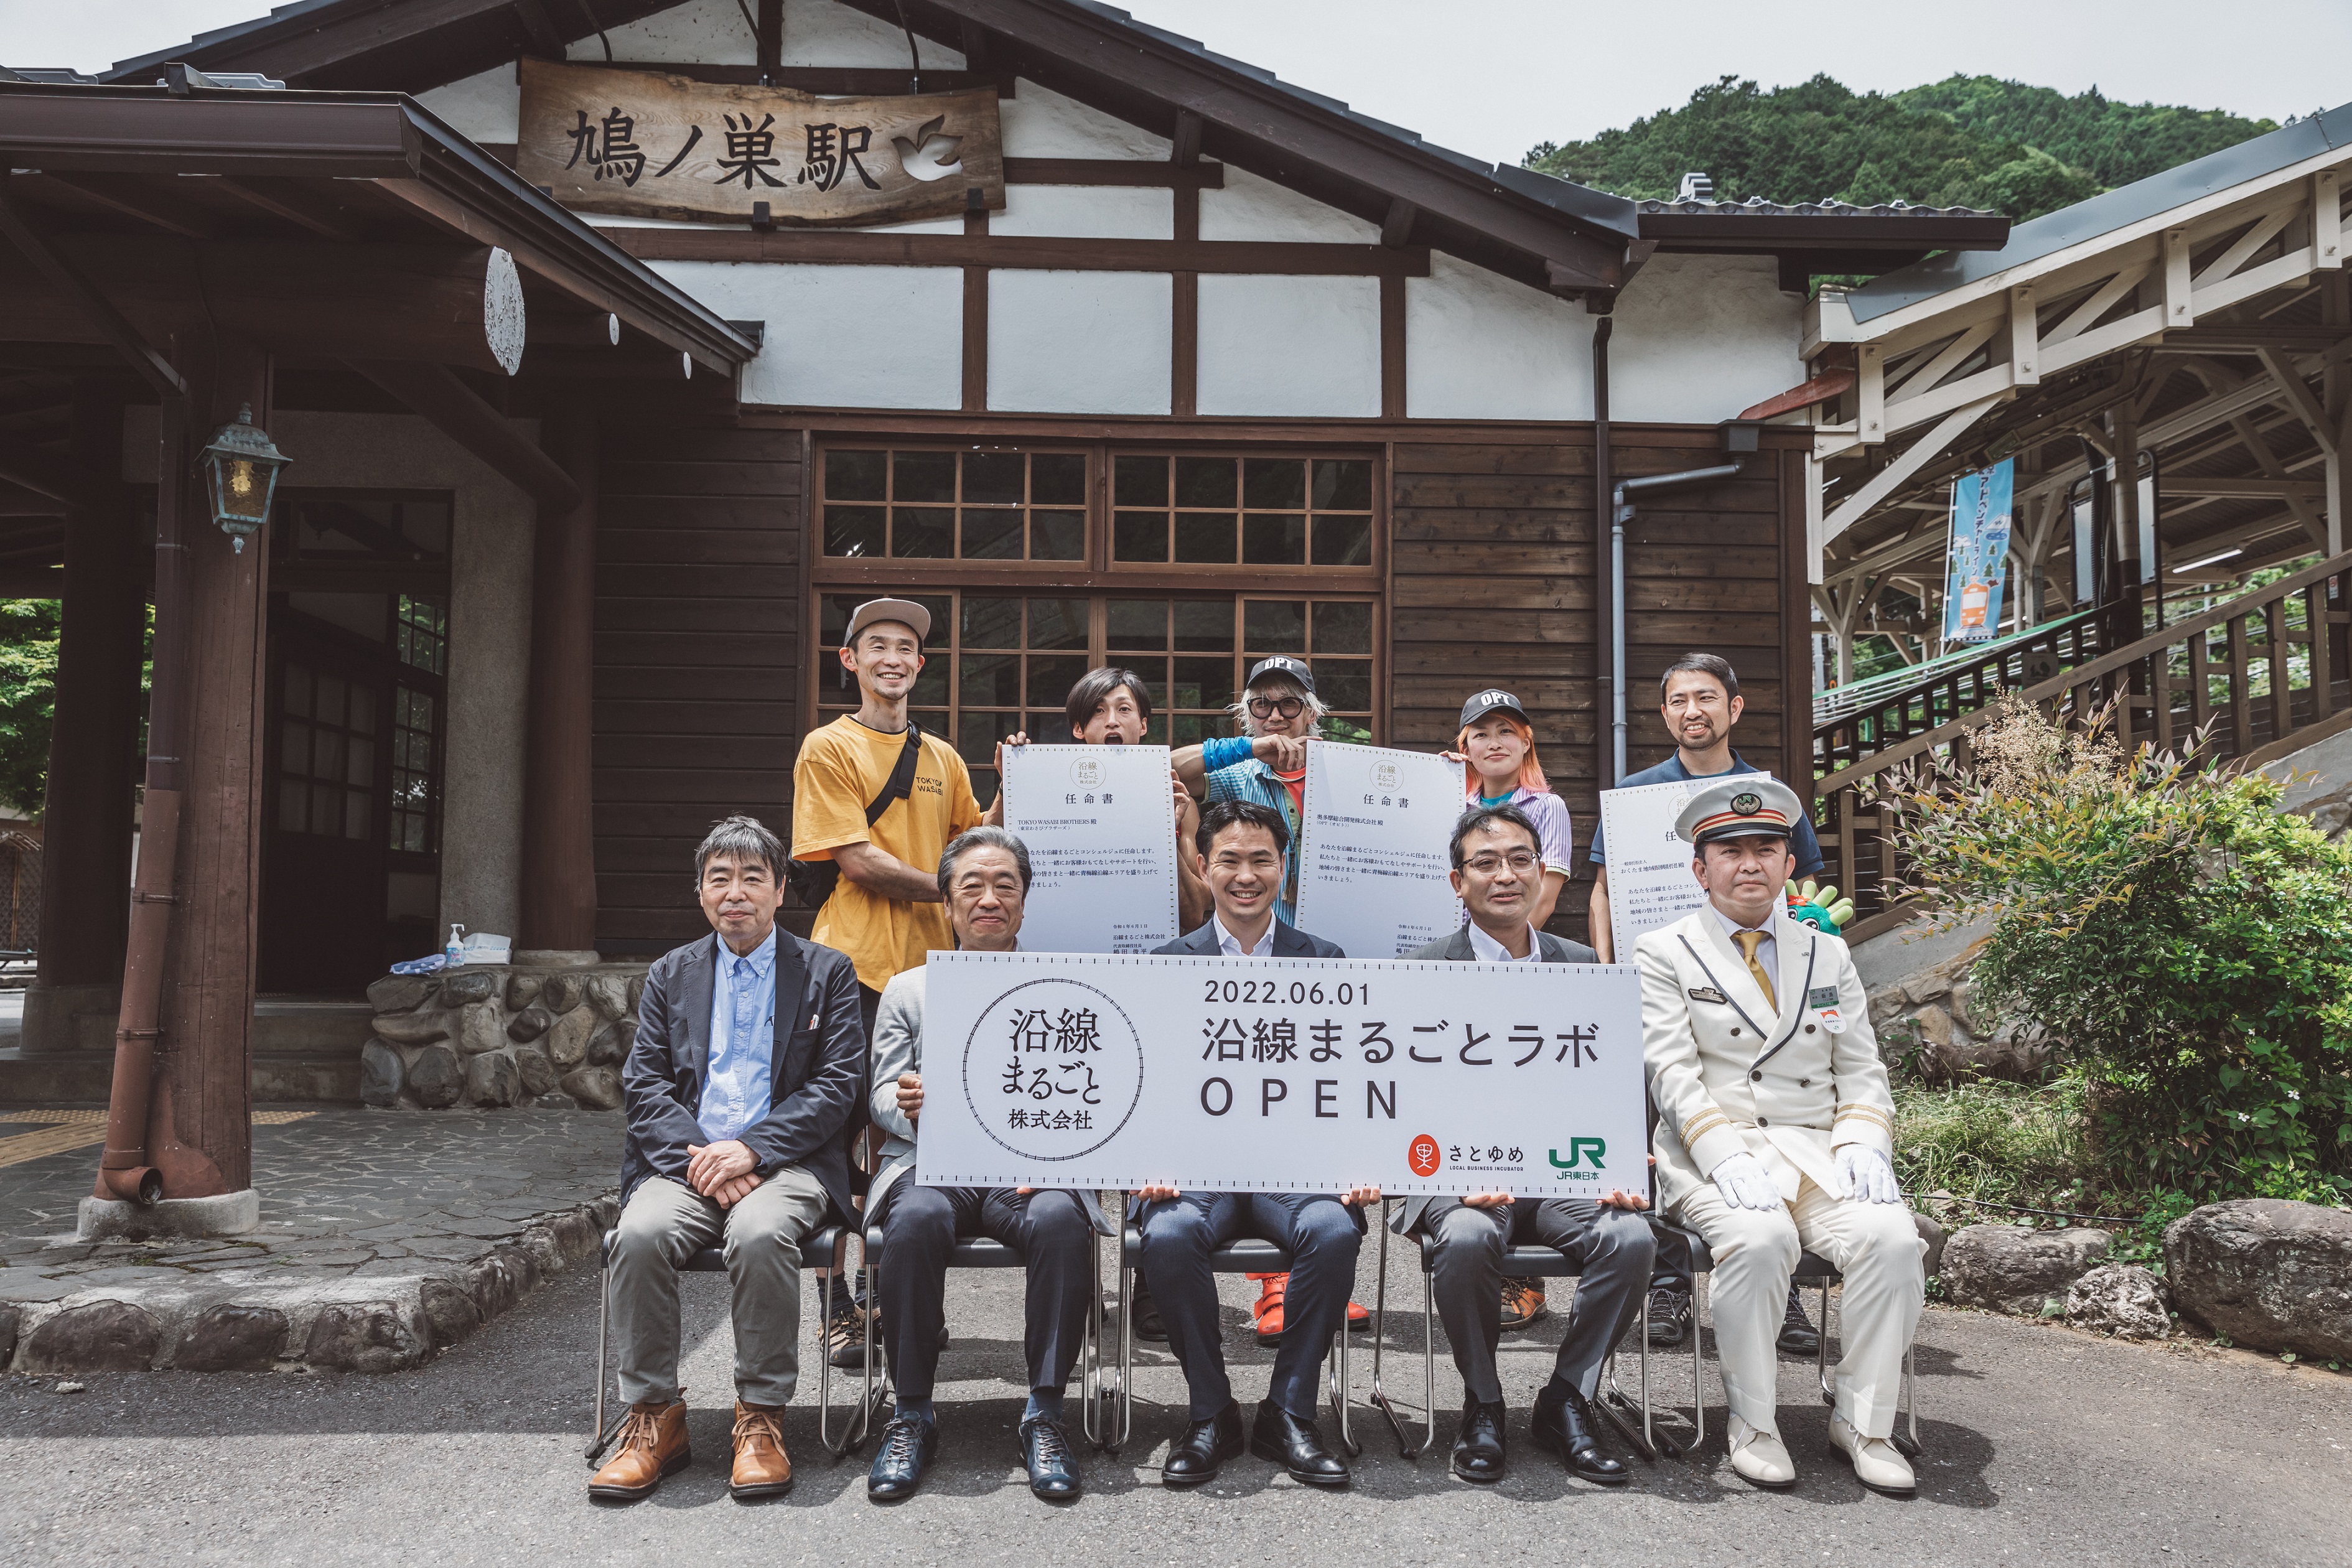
1079 342
1699 338
820 33
1480 346
842 337
1309 347
701 32
1088 212
1252 208
1043 124
485 108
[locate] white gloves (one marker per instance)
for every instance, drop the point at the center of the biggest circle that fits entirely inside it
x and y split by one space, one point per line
1746 1184
1865 1175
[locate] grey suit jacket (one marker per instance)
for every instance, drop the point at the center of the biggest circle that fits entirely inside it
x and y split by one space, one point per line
898 1047
1289 942
1456 948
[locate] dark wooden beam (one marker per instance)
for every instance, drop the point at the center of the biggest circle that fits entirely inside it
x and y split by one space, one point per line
1112 171
36 582
148 200
852 249
544 38
94 307
42 472
1185 146
769 43
452 407
840 81
1397 227
285 203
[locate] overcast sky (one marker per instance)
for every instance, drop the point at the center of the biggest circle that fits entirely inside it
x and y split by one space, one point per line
1494 77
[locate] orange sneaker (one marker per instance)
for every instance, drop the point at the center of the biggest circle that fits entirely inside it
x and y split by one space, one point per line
1523 1302
1266 1313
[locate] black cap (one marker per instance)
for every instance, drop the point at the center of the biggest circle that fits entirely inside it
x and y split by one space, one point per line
1487 702
1277 664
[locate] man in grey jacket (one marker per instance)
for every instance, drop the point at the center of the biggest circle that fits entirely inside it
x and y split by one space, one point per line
1498 871
983 881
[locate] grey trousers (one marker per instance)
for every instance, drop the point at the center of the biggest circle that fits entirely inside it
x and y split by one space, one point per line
667 1222
1612 1248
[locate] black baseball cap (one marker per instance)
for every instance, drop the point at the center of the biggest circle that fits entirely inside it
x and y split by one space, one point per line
1488 702
1278 665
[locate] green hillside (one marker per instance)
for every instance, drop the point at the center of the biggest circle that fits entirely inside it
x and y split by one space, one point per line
1971 142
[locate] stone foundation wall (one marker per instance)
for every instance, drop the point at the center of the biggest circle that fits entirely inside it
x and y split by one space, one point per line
496 1034
1932 1012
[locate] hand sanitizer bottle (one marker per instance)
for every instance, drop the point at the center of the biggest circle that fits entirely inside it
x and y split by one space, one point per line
453 955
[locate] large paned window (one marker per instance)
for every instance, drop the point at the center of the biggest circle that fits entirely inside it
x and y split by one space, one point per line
326 754
987 504
1254 511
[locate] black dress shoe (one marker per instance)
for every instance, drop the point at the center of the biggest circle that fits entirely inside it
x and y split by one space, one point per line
1670 1316
907 1448
1297 1446
1146 1312
1206 1446
1798 1335
1478 1447
1053 1474
1563 1426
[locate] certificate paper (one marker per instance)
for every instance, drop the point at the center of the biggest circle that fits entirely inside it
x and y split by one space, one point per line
1372 863
1650 879
1100 825
1281 1075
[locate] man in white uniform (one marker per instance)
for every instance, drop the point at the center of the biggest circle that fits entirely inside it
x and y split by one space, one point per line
1776 1130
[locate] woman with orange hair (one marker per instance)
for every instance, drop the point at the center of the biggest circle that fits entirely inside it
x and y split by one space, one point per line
1500 744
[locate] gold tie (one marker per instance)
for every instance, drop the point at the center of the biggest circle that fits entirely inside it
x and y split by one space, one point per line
1750 941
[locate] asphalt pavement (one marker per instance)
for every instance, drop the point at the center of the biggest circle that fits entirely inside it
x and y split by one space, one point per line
2042 1445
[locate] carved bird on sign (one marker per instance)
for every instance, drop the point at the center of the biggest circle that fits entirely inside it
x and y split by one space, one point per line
929 155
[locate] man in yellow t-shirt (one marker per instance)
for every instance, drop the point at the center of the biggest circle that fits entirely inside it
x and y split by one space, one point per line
885 912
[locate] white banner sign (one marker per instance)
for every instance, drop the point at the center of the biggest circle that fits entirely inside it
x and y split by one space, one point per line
1372 864
1100 825
1650 879
1281 1075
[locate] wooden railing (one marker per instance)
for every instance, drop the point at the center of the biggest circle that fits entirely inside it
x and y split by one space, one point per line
1860 728
2268 670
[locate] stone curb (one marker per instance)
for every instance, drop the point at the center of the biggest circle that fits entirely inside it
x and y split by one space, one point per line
251 1321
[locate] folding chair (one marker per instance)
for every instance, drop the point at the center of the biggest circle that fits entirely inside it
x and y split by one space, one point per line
827 1241
1246 1255
1518 1263
1811 1270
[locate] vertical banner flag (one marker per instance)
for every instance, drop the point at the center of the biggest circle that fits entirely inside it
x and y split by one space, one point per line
1975 565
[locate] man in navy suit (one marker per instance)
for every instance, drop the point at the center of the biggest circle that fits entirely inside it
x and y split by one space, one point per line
1241 846
749 1058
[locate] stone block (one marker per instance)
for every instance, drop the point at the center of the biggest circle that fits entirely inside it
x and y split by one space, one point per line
537 1074
529 1024
523 990
553 1100
435 1077
609 994
2271 1273
567 1042
492 1079
561 992
636 992
545 1252
380 1074
2011 1269
9 1318
413 1028
461 986
577 1235
1962 1002
231 1338
363 1336
2123 1299
104 1336
479 1028
1934 1028
450 1311
598 1089
401 993
1931 1234
608 1045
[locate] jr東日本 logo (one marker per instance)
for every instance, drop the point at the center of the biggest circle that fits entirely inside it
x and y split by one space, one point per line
1423 1156
1087 772
1578 1150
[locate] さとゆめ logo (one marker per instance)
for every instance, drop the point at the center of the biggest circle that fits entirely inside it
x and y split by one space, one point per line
1423 1156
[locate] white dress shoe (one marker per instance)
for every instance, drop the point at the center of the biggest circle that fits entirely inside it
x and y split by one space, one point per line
1877 1463
1759 1458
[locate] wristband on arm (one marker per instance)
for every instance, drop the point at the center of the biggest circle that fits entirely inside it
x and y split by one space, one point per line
1225 751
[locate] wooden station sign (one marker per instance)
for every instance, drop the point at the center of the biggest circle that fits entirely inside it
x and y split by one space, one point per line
648 144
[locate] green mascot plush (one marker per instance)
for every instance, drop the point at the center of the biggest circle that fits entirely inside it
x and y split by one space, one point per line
1819 907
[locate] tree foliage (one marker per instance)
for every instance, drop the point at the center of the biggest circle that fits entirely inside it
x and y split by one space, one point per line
1971 142
28 691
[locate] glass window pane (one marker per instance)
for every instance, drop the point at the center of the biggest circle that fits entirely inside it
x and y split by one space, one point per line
991 623
326 809
1203 683
329 693
1343 484
854 475
1138 623
1343 542
1205 626
992 680
1204 536
925 532
1139 536
991 478
991 535
420 709
1057 623
1342 628
1205 481
1050 681
293 808
922 476
1345 684
412 834
1354 731
1274 539
1276 484
294 748
1274 625
977 734
363 710
1155 733
1057 536
853 531
327 755
1058 478
360 763
1141 481
1189 729
931 690
356 813
298 689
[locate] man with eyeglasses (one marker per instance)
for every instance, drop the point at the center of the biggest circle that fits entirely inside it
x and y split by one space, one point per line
1499 871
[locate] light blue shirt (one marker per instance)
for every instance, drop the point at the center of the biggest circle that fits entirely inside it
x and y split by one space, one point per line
735 1091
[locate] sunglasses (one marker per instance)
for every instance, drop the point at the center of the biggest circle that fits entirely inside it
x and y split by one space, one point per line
1289 707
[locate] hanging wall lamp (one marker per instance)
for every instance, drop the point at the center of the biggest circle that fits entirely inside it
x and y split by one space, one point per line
241 471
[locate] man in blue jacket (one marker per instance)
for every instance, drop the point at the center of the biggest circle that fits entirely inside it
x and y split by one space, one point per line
749 1058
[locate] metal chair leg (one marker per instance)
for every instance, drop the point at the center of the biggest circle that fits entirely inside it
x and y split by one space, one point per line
1336 1371
1829 1390
1907 1445
854 1427
603 1326
1091 1352
1406 1446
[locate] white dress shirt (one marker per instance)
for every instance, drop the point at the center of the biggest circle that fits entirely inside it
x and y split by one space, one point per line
737 1091
1768 951
1487 950
1230 944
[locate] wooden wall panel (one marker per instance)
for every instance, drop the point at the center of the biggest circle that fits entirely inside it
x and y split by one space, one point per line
697 663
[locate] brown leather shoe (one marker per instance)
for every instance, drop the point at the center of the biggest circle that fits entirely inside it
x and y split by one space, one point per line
763 1469
651 1444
